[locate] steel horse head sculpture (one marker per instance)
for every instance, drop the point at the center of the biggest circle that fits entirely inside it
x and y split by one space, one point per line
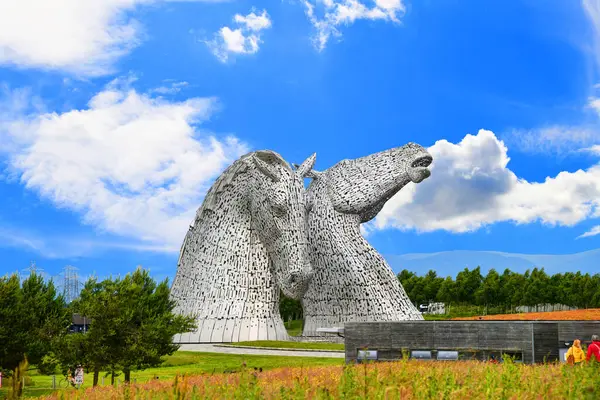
352 282
248 242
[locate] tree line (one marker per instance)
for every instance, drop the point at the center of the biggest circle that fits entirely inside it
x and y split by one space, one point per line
132 325
509 289
503 291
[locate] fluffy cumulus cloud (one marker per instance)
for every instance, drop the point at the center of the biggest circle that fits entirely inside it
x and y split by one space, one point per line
328 15
244 39
132 164
80 36
472 186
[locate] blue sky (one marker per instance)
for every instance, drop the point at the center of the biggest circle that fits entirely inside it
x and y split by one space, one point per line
116 116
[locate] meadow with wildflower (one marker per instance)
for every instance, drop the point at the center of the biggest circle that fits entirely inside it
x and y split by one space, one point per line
178 364
404 379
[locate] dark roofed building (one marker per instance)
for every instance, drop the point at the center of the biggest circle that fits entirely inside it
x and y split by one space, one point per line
79 323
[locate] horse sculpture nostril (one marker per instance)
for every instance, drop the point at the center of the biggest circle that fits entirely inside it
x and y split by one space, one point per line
423 161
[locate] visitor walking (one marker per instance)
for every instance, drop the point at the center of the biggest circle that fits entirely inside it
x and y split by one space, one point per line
70 377
79 376
575 354
594 349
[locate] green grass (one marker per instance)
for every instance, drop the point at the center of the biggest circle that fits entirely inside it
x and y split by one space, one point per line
465 310
184 362
438 317
294 328
291 345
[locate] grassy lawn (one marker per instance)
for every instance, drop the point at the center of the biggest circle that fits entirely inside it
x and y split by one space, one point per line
294 328
291 345
184 362
434 317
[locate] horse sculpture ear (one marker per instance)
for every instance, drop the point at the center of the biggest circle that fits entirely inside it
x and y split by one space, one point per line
305 168
265 168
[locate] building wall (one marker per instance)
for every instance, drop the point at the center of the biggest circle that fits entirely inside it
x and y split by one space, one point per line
537 341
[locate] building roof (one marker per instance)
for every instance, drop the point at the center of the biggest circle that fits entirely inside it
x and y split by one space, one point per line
79 319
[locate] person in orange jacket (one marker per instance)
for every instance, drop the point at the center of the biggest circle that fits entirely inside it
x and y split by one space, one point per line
576 352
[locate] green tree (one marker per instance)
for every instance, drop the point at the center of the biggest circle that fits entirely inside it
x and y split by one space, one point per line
447 292
405 275
538 288
431 286
95 349
489 291
467 283
416 289
12 338
32 316
406 280
289 308
132 320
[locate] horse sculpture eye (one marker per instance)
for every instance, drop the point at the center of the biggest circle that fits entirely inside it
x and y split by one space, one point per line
278 210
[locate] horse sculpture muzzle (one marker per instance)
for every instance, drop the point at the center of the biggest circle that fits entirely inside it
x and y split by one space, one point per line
417 169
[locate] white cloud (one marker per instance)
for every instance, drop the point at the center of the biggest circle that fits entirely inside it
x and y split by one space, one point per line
55 246
562 139
592 232
471 186
593 149
174 87
594 103
245 39
132 164
557 139
84 37
346 12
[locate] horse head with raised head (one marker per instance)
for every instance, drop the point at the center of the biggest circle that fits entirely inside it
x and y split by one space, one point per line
363 185
352 282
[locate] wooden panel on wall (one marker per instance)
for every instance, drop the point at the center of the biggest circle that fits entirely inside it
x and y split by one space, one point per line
545 336
416 335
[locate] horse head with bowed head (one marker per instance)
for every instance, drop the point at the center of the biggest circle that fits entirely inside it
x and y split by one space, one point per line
248 242
278 207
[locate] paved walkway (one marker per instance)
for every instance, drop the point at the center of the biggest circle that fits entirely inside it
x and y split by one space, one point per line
211 348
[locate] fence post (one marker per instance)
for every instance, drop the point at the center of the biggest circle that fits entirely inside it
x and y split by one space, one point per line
23 386
102 381
134 381
53 381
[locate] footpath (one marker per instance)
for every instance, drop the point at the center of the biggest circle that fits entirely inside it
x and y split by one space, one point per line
260 351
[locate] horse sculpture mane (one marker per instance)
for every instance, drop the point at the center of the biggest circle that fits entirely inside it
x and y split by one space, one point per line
240 166
247 241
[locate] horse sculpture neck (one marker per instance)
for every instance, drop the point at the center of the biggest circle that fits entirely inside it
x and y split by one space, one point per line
224 275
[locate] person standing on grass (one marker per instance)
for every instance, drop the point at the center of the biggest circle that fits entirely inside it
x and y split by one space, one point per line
70 377
79 376
575 354
594 349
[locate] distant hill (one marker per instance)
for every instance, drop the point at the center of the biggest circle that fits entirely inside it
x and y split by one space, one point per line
451 262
